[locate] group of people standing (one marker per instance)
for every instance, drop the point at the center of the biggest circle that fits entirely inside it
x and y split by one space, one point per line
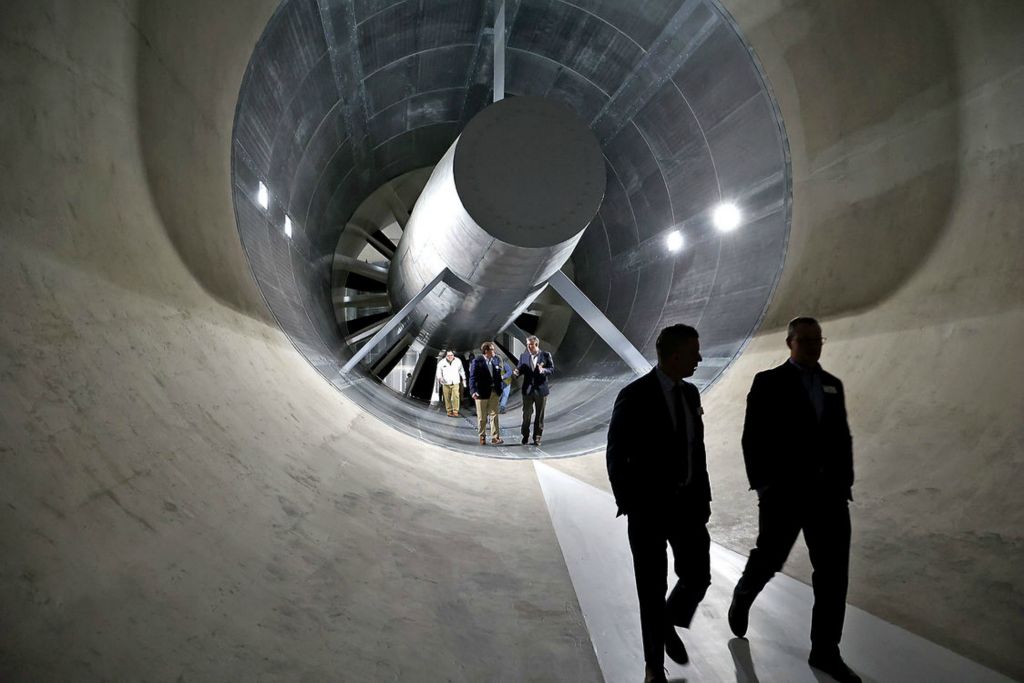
490 382
798 455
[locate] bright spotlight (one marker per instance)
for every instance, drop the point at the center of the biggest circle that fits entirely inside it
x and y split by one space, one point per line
287 226
262 196
674 240
726 217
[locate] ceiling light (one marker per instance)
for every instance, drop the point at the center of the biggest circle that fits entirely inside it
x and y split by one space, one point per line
287 226
726 216
262 196
674 240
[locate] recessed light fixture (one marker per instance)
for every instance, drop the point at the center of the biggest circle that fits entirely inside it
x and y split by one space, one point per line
674 240
262 196
726 216
287 226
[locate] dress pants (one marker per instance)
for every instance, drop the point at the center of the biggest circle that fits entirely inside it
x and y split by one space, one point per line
533 406
683 525
451 397
825 521
487 411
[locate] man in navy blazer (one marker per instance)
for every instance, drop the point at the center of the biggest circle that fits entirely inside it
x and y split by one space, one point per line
659 476
535 366
485 388
799 458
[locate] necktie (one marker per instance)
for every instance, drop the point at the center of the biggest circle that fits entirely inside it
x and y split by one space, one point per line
681 432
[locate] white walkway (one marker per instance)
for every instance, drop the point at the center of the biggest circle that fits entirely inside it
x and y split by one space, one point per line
597 554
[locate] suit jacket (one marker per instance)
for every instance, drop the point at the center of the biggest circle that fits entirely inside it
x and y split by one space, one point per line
646 459
536 381
485 376
784 442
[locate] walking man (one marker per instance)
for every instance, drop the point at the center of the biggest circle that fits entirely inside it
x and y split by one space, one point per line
799 458
535 366
485 387
452 378
659 476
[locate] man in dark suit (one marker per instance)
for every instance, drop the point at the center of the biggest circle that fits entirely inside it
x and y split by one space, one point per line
799 458
659 475
485 388
535 366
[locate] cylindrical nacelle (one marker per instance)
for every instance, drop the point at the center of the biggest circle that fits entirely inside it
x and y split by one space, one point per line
503 211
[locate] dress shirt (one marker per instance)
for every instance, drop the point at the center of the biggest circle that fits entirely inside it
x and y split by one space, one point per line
812 384
666 389
451 373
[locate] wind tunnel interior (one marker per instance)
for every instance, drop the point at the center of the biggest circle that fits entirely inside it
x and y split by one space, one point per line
342 101
183 495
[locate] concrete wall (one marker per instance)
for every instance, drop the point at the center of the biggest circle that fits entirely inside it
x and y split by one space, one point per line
905 125
182 495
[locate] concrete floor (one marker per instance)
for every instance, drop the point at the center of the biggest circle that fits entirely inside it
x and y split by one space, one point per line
596 550
184 498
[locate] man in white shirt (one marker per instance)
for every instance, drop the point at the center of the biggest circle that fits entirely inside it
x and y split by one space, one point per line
452 378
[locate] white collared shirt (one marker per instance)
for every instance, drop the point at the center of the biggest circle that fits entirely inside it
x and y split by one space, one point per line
451 373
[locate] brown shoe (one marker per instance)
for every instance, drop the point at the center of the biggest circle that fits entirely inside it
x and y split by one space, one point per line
451 414
455 414
497 440
483 441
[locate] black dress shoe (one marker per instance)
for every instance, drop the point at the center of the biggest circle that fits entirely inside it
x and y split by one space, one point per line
654 675
674 647
832 664
739 614
525 439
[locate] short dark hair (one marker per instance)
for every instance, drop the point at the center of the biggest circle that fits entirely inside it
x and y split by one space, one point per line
673 337
487 346
796 322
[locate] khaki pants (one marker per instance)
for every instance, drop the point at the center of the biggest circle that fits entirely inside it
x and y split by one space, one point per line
487 409
451 393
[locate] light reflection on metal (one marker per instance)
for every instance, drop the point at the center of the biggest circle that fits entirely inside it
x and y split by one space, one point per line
604 328
367 331
372 271
499 52
372 300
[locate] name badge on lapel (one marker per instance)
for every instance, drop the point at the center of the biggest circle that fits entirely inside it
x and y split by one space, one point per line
829 389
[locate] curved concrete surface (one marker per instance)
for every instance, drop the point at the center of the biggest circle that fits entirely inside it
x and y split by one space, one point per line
184 496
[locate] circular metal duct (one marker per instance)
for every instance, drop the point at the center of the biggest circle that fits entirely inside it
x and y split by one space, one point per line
343 100
503 210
